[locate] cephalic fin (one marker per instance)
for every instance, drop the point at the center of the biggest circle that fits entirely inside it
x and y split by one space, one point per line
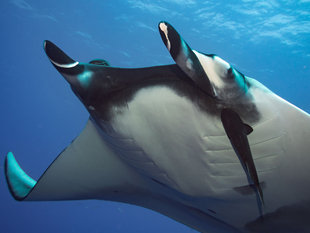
185 58
57 56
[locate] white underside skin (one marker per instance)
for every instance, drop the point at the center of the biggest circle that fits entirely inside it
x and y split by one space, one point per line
89 169
168 138
164 153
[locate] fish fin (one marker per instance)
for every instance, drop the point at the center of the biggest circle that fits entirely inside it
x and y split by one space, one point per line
86 169
249 189
247 129
19 183
185 58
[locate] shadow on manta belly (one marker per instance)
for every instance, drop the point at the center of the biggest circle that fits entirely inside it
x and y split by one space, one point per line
197 141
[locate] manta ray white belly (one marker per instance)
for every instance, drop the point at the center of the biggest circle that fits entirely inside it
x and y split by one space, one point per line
176 138
168 138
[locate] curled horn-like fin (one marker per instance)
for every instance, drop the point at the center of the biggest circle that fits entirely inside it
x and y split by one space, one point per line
57 56
184 57
65 65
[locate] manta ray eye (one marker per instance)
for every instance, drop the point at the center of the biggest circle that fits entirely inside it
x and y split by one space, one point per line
230 73
99 62
211 55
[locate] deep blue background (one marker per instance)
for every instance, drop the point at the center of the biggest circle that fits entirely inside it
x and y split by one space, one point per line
267 40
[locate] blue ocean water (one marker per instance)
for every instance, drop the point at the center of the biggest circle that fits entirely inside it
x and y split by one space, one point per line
267 40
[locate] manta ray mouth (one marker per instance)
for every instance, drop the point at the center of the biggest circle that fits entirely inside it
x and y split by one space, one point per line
98 84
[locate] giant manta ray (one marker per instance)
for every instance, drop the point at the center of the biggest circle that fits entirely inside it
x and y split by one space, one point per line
196 141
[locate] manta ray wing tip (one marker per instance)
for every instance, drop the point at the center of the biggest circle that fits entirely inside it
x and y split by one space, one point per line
20 184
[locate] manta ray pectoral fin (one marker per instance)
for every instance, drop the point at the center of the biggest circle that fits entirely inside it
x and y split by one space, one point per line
20 184
237 132
185 58
87 169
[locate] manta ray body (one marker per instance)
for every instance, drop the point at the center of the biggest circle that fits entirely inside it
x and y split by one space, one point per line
197 141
